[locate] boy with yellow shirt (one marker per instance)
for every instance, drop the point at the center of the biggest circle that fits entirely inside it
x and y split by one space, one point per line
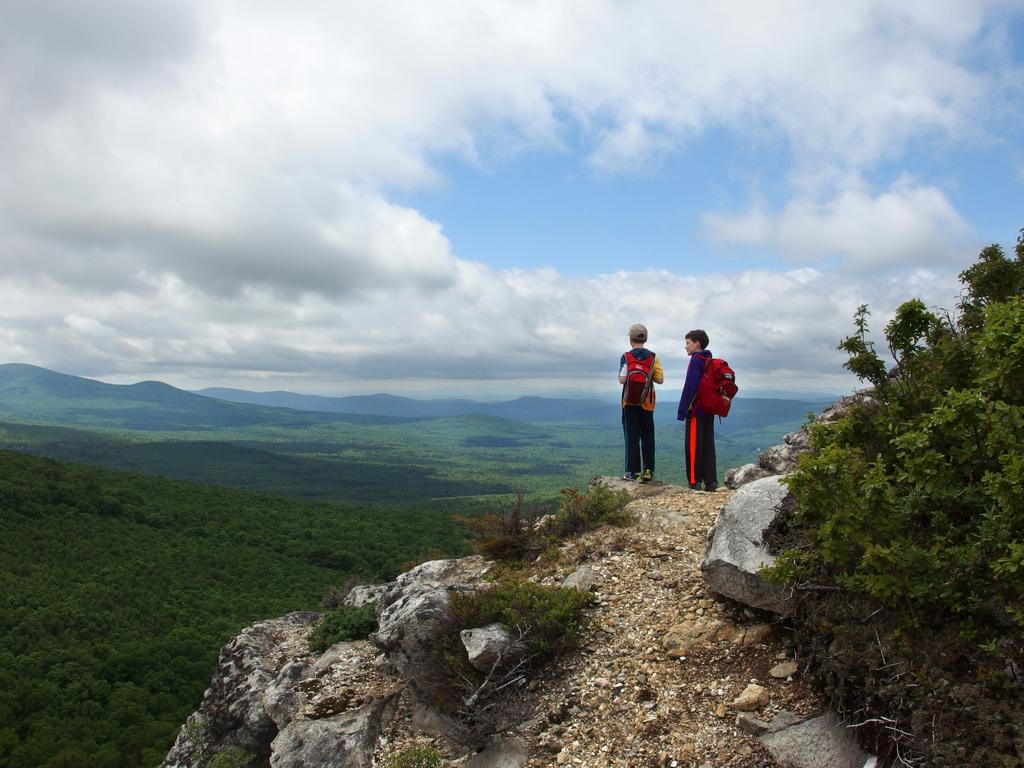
639 371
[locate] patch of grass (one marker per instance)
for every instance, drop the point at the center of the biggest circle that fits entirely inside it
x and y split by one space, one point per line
232 757
343 623
415 757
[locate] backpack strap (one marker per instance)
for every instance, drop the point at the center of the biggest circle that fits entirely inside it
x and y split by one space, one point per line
703 373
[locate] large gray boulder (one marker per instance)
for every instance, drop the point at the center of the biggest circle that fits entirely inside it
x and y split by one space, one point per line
431 575
272 698
347 740
744 474
779 459
232 712
364 594
736 551
415 610
282 698
823 742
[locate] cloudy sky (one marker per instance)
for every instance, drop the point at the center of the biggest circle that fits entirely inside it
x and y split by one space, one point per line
480 197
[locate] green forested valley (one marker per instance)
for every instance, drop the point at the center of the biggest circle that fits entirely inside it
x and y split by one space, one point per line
471 457
119 589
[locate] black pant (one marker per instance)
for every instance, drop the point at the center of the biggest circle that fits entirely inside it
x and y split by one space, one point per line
638 431
699 450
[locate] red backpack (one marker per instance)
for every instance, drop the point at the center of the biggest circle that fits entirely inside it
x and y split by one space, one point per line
638 379
717 387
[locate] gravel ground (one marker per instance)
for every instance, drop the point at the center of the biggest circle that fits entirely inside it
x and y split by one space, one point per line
636 694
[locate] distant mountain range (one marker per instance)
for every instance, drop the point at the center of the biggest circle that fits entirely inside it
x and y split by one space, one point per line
520 409
32 394
747 412
29 393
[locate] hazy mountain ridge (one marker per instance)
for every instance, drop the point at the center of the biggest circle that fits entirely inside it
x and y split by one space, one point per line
483 451
528 408
747 412
29 393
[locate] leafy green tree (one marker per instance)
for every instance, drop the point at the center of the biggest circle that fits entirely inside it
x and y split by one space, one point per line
864 361
992 279
910 511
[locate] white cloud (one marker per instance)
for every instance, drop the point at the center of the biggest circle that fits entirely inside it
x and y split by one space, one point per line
907 225
199 191
527 331
57 52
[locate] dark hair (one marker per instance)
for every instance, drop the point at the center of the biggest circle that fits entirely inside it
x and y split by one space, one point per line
699 336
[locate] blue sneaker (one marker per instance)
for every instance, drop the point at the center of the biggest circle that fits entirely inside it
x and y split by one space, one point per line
631 476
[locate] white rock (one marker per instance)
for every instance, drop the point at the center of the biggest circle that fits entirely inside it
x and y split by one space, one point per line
485 645
582 579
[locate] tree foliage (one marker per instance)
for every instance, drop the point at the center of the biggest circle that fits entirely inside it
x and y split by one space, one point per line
912 507
119 589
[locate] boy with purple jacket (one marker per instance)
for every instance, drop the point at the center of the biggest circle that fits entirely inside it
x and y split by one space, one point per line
699 434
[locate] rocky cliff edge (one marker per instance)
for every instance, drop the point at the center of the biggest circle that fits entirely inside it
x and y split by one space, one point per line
671 671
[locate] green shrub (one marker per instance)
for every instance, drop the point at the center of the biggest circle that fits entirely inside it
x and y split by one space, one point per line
511 533
916 496
515 533
549 620
545 622
343 623
599 506
910 516
415 757
231 757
